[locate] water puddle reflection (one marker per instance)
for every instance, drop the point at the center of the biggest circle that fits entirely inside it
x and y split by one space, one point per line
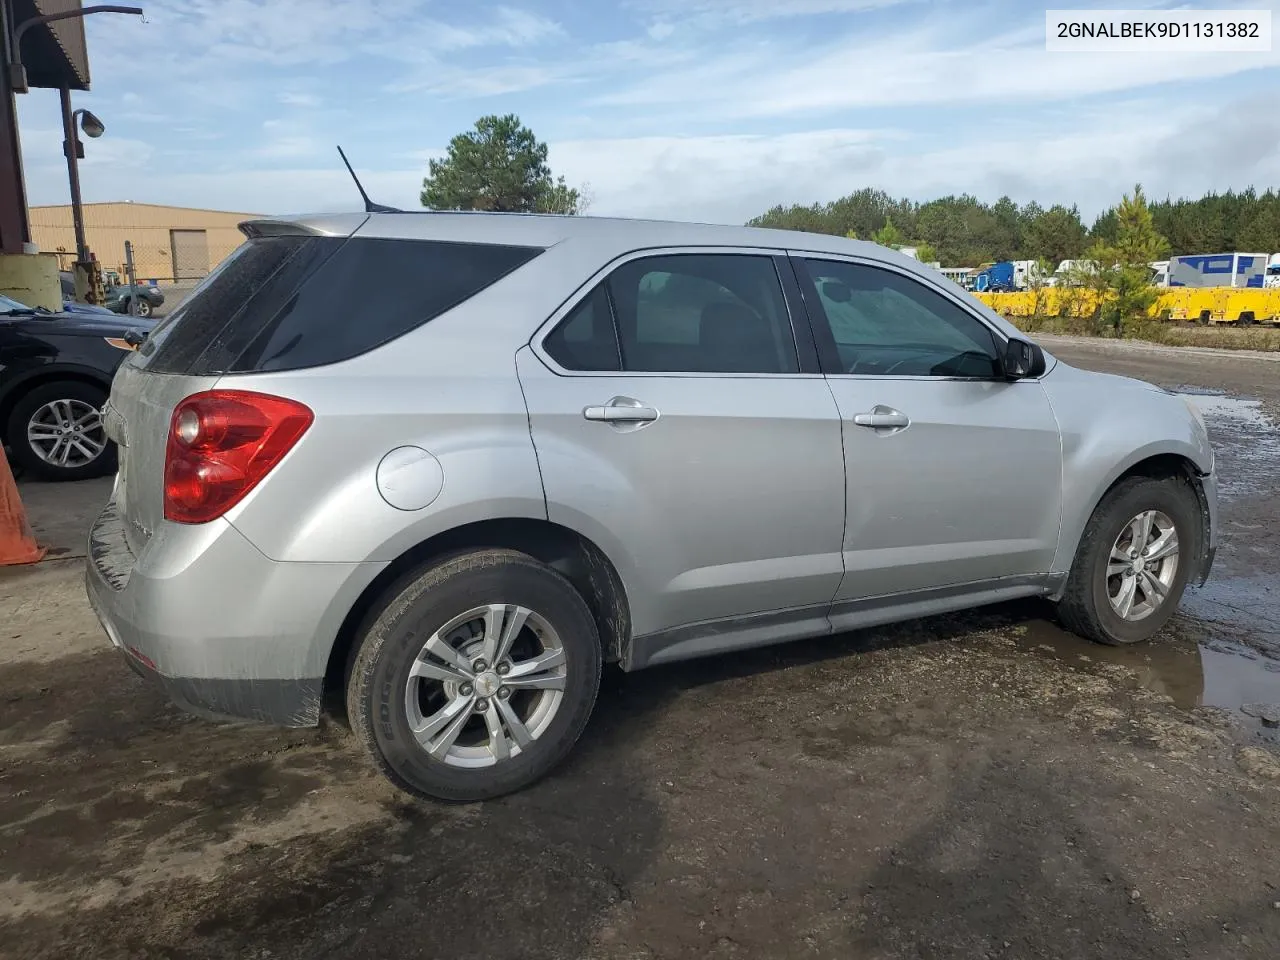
1208 673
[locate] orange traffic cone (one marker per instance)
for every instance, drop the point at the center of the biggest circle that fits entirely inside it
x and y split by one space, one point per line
17 545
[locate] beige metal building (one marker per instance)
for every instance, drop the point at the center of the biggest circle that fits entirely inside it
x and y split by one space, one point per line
170 244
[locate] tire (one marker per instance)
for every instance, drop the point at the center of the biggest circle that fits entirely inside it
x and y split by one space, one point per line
144 308
49 404
1086 607
439 604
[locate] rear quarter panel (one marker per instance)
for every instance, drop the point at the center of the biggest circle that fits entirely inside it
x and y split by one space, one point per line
1110 424
449 387
322 503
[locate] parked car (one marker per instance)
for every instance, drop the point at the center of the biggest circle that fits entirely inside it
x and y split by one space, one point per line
118 297
148 297
445 465
55 371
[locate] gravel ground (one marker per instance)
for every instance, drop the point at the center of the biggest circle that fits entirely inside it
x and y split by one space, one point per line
974 786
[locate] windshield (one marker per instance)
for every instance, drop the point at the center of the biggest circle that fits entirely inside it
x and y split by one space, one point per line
8 303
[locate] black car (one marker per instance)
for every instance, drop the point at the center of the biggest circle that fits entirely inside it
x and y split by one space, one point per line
55 374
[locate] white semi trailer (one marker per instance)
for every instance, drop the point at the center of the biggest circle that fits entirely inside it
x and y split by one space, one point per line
1218 270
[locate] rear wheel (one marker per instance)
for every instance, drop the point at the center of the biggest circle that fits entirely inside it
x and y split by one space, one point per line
1134 561
56 432
477 677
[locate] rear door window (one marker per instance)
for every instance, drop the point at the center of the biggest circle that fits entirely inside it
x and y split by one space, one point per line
703 313
287 303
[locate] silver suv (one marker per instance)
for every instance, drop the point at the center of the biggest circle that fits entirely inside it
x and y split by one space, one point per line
446 465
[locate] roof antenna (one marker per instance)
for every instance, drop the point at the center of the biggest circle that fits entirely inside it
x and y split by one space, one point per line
369 205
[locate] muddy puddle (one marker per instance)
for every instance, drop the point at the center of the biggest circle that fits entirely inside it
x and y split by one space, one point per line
1246 441
1192 673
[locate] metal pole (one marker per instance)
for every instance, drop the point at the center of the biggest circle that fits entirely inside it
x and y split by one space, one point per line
71 148
133 278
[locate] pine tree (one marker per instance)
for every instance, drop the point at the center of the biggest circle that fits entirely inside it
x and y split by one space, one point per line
1124 276
888 235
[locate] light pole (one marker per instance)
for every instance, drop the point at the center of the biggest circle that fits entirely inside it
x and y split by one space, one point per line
73 150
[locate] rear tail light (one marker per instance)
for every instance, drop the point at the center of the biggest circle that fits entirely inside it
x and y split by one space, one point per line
221 443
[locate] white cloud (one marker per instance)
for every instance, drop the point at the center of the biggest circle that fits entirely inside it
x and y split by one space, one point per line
716 178
294 98
423 39
453 83
925 64
1089 159
709 12
289 147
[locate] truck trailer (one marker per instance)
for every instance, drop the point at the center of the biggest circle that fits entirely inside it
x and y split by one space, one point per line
1218 270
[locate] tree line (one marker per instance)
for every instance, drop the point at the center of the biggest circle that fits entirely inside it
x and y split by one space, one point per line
964 231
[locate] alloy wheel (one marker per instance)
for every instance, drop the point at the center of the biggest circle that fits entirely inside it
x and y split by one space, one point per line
1142 565
67 433
486 685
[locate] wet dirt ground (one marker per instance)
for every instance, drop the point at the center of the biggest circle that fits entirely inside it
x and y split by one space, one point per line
963 787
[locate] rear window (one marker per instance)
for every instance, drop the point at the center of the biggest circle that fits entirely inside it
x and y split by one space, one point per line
287 303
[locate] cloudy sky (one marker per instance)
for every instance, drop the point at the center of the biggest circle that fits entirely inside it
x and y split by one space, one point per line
689 109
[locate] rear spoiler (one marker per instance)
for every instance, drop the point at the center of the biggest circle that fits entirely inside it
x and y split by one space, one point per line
325 225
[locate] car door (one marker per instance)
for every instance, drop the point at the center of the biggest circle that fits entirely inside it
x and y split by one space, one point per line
677 428
953 472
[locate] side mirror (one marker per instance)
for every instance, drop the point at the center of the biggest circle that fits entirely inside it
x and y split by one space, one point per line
1023 360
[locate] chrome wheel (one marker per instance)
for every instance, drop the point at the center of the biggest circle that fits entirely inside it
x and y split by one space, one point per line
67 433
142 308
486 685
1142 565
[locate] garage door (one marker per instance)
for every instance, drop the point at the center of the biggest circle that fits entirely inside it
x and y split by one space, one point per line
190 254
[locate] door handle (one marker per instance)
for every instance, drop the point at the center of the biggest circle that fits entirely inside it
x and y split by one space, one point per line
882 418
621 410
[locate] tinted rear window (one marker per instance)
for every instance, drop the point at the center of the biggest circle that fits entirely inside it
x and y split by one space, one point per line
286 303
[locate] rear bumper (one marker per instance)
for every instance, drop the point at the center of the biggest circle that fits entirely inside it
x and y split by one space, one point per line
282 703
222 629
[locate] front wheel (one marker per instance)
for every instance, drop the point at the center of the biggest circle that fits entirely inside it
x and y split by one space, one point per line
477 678
142 309
1134 561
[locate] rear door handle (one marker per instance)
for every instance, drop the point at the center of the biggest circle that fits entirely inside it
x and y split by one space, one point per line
882 418
621 410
